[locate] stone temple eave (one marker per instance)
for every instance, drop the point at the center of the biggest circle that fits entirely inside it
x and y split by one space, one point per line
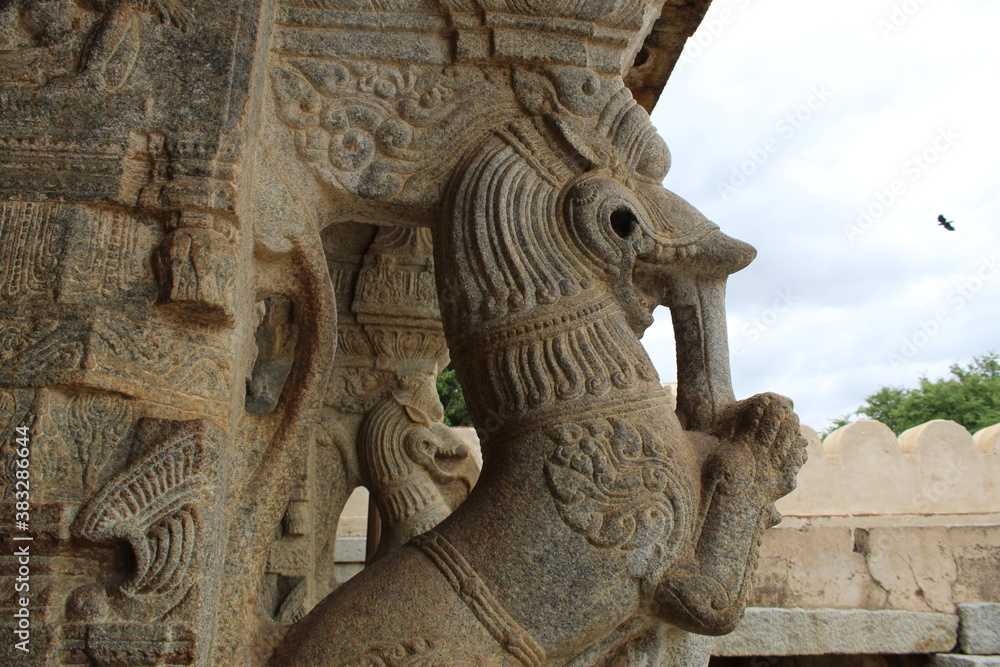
662 49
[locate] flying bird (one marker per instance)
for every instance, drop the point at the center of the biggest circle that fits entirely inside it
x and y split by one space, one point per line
946 223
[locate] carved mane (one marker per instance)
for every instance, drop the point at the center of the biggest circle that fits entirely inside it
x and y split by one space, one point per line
538 316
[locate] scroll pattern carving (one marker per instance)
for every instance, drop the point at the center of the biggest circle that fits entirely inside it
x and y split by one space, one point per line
80 439
157 507
378 130
351 389
53 465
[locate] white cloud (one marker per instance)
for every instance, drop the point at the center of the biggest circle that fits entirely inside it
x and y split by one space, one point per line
860 297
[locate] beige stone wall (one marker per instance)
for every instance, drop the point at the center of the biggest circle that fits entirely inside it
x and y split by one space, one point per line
904 563
883 538
863 469
909 523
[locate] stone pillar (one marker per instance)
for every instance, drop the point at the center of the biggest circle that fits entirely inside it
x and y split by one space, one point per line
132 272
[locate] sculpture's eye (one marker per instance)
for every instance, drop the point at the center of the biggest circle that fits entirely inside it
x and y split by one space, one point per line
623 221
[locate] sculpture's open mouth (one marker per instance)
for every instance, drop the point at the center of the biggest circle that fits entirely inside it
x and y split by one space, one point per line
692 284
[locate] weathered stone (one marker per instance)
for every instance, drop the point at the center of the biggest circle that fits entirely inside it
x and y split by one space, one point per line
777 632
865 459
979 628
955 660
906 563
825 661
863 468
986 440
952 469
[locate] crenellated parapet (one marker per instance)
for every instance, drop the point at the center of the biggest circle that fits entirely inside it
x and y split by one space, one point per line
864 468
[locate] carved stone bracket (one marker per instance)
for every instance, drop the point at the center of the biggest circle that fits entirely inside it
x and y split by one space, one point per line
380 131
161 506
198 268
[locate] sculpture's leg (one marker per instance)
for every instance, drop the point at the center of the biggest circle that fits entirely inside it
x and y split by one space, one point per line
760 451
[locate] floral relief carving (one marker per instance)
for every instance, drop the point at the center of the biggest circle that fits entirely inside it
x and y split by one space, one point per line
378 130
615 483
158 505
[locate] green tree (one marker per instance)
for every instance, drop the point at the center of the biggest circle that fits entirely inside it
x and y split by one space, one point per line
456 412
970 396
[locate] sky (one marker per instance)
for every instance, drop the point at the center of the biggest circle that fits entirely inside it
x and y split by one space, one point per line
830 135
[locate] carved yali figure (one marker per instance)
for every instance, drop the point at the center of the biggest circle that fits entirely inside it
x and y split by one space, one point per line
597 505
168 327
416 469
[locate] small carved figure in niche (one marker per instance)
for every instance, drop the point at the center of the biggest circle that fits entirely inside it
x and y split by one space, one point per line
79 42
112 45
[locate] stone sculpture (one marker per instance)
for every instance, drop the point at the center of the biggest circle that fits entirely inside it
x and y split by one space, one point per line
552 252
219 315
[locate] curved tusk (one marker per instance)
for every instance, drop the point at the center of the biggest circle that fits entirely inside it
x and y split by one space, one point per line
704 380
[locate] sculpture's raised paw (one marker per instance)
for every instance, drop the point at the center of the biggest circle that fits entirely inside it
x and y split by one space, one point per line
765 428
759 452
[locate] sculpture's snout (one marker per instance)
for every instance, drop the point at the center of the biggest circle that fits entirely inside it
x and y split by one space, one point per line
719 255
